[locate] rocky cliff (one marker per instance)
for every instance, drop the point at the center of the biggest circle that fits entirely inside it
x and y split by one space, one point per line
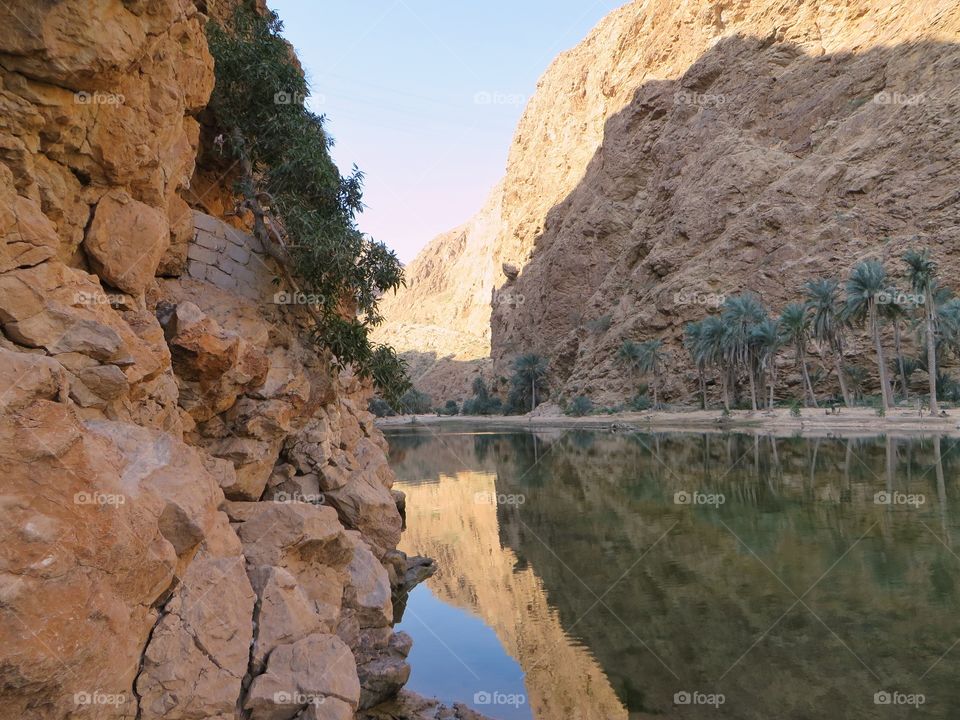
197 513
684 151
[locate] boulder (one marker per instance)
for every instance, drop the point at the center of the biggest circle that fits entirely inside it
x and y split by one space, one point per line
125 241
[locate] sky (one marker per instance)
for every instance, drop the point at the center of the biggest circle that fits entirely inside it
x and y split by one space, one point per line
424 95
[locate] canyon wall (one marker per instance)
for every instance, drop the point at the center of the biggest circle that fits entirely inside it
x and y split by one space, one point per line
197 515
687 151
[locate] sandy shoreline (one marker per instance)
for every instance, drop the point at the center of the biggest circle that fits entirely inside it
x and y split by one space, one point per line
812 422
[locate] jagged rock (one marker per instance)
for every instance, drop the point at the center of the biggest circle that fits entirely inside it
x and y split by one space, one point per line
511 271
127 259
382 666
319 666
212 366
368 589
284 613
365 504
198 652
410 706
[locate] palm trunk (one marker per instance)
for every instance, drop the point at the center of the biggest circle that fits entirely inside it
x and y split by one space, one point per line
533 394
656 398
806 375
844 390
703 389
900 366
881 362
932 355
753 381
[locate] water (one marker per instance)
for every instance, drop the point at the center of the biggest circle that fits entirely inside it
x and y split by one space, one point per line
589 575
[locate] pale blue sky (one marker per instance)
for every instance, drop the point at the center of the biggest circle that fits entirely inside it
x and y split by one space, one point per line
424 95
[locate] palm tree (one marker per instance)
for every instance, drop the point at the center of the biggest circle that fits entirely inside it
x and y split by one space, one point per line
827 325
765 340
795 324
741 313
922 273
714 339
697 349
530 370
895 311
865 286
646 357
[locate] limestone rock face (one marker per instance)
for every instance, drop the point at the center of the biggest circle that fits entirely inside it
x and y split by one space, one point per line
150 399
682 152
125 241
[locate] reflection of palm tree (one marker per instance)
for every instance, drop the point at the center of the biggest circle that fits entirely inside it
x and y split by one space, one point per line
827 325
795 324
922 272
864 287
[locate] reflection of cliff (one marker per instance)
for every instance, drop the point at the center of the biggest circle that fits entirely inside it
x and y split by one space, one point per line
455 521
686 591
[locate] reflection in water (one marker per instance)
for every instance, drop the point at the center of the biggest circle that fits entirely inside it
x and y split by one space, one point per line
796 577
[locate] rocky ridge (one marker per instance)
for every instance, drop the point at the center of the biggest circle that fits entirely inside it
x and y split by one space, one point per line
198 516
683 152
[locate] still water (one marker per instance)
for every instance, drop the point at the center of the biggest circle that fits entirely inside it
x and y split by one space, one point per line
590 575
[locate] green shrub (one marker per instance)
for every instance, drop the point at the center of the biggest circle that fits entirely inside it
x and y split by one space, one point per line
795 409
380 407
581 405
303 209
449 408
641 402
415 402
